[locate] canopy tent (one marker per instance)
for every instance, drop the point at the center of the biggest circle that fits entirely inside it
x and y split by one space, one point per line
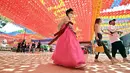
42 16
10 39
5 36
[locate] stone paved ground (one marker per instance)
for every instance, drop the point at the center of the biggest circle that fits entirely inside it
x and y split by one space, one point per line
11 62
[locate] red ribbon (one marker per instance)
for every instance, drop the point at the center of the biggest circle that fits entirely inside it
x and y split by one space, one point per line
59 33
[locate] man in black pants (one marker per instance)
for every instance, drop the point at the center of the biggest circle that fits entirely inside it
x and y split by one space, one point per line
116 42
33 47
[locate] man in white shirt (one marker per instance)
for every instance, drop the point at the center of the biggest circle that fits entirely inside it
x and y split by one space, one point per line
115 41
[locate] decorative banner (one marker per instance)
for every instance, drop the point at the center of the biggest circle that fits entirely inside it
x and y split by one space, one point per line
106 4
122 23
116 3
43 16
125 2
42 1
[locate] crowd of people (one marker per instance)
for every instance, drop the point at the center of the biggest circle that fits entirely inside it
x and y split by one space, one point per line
32 47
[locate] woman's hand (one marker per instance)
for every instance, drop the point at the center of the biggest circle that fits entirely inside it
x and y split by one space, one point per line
120 32
74 32
102 30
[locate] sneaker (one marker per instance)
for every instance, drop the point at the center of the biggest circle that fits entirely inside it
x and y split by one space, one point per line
126 60
113 61
97 61
116 60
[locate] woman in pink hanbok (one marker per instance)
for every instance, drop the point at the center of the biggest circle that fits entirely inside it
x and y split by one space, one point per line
68 52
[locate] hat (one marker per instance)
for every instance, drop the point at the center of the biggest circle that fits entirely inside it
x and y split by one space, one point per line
112 20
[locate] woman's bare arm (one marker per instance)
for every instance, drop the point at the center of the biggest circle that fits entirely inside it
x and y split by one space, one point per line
106 32
65 20
61 23
96 27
